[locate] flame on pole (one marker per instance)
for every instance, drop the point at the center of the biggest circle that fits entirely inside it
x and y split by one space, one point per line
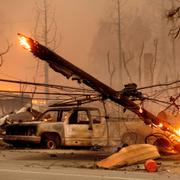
27 42
24 41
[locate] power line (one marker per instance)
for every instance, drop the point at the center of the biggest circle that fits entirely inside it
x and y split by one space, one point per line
159 85
66 88
28 97
50 93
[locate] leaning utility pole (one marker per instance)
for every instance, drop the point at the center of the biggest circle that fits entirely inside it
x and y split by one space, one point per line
124 97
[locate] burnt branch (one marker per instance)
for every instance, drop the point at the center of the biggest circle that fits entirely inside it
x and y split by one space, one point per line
3 53
155 55
173 102
111 68
125 63
174 32
140 63
174 15
154 62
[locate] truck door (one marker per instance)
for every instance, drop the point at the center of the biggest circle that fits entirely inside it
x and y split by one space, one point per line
99 128
78 131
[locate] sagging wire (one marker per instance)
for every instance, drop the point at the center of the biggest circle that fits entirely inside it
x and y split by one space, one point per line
59 87
41 98
159 85
50 93
156 102
160 92
76 101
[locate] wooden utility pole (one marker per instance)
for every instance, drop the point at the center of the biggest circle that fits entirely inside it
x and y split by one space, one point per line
46 70
119 44
46 30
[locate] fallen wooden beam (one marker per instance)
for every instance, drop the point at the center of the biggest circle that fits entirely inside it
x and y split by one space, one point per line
130 155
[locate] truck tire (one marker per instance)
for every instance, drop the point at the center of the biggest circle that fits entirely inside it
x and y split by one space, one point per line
51 141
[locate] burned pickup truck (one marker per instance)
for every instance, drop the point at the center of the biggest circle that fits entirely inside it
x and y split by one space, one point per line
75 126
58 126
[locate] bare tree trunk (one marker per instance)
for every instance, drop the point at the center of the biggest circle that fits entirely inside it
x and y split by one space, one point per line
140 64
46 69
154 62
125 62
107 125
174 43
111 71
3 53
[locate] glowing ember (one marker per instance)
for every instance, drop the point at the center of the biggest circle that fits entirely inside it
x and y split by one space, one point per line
140 109
24 42
160 125
177 131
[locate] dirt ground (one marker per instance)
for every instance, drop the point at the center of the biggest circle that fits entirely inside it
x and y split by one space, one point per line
75 158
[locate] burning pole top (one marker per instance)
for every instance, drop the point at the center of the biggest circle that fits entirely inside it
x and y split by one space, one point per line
61 65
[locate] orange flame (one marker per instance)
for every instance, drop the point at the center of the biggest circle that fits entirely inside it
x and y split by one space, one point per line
24 42
160 125
177 131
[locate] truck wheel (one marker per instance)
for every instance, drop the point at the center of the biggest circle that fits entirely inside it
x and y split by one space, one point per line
51 141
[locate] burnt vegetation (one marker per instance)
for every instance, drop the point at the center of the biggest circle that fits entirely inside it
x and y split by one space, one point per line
174 15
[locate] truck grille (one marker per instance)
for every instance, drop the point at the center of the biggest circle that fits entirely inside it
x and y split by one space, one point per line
21 130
